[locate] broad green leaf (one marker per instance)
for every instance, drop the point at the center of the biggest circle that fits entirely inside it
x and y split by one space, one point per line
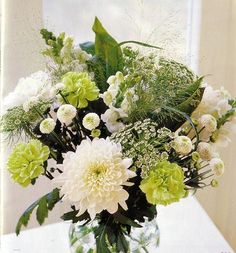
107 48
88 47
45 203
125 220
191 97
42 210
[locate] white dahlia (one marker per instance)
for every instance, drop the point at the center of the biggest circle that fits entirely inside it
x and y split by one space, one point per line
94 176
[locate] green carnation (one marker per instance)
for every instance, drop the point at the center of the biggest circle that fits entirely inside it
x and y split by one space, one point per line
79 89
26 161
164 185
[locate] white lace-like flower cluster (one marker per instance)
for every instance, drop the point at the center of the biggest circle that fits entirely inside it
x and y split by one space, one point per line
94 176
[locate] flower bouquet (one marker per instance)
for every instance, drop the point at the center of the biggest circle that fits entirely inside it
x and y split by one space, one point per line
117 132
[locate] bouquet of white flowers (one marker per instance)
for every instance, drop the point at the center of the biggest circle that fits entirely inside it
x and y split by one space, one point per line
117 131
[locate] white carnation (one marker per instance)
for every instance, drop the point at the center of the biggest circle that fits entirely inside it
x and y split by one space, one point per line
205 151
94 176
183 145
47 126
217 166
91 121
66 113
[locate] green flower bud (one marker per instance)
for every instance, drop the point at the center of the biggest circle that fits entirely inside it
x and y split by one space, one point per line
214 183
95 133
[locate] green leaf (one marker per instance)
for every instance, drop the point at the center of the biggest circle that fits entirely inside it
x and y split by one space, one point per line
122 243
107 48
45 203
100 236
138 43
191 97
42 210
88 47
72 215
125 220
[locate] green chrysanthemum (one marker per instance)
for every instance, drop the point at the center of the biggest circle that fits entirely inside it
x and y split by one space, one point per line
79 89
26 161
164 185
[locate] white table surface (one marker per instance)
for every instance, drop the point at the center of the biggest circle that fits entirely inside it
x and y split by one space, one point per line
184 228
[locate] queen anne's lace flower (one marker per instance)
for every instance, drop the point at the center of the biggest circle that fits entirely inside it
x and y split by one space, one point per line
26 161
94 177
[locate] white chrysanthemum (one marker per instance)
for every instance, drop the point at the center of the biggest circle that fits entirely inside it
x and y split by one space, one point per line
66 113
183 145
217 166
111 117
47 126
94 177
205 151
26 89
91 121
208 122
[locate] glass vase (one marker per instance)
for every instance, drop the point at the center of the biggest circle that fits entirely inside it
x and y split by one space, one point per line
140 240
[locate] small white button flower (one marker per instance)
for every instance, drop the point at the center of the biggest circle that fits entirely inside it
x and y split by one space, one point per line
91 121
66 113
217 166
208 122
47 126
183 145
205 151
60 86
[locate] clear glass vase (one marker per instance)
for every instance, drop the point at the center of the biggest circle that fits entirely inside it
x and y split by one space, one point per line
140 240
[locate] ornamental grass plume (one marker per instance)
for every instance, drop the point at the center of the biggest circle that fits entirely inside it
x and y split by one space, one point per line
26 161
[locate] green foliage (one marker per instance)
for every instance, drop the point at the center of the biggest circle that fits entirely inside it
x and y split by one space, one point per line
98 67
107 48
88 47
43 205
